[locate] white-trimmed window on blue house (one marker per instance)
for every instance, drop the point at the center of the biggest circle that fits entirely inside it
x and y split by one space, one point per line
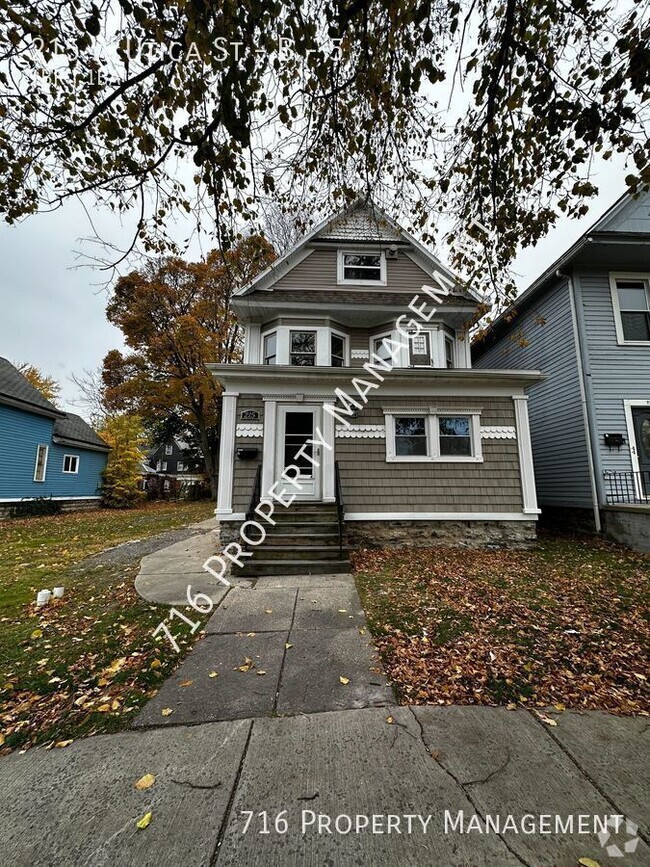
71 464
302 348
366 268
423 436
40 467
270 351
631 302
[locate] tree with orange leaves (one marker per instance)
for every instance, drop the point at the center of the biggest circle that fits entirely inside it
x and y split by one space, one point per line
177 317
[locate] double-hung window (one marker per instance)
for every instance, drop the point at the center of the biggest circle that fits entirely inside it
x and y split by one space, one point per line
449 352
169 449
632 308
302 348
70 463
362 267
432 436
337 350
270 348
381 349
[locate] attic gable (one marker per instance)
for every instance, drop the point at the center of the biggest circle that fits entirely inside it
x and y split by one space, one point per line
627 215
361 224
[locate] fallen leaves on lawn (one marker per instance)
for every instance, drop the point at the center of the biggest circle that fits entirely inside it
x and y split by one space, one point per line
561 625
145 782
144 821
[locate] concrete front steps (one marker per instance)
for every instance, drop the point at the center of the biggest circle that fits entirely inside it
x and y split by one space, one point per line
304 541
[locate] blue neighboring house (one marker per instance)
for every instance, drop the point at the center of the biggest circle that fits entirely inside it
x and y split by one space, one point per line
585 323
45 452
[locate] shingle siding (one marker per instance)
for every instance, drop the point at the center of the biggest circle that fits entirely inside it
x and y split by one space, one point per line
20 435
559 438
371 484
617 373
244 472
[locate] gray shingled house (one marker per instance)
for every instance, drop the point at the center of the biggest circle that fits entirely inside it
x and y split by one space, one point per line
586 324
357 385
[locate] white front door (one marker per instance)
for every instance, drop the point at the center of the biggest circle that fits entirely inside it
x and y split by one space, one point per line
297 424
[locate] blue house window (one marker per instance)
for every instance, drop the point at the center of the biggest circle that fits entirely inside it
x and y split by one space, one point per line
71 463
41 463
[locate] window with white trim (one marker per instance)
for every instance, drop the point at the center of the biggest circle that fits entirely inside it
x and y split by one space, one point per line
381 349
70 463
455 435
164 466
337 350
362 267
270 348
633 313
302 348
420 349
449 352
433 436
40 467
169 450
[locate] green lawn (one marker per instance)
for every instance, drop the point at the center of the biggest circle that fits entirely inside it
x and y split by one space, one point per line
563 624
87 662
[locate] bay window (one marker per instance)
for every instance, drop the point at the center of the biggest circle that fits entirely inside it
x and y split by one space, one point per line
302 348
337 350
270 348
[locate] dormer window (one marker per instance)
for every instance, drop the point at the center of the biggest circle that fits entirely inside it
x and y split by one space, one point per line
365 268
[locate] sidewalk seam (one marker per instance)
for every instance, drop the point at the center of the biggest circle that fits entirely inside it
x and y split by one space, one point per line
640 832
464 790
284 655
231 800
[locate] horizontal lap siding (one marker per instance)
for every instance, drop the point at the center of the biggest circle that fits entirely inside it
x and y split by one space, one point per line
319 271
618 373
244 472
20 435
560 447
371 484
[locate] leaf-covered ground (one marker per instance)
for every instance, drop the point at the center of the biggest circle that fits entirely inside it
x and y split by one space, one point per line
85 663
564 624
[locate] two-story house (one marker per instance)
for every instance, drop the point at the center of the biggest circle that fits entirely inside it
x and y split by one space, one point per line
175 460
586 323
45 453
357 385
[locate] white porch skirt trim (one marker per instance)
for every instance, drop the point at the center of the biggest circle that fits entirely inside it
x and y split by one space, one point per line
27 499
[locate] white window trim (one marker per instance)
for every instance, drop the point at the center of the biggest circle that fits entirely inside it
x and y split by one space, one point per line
628 406
74 472
340 278
164 466
47 452
346 346
169 450
623 275
262 346
433 437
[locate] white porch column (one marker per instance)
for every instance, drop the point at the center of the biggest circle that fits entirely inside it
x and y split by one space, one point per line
525 455
268 449
226 454
328 457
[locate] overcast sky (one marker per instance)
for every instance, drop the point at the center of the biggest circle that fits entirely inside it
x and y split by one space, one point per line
53 313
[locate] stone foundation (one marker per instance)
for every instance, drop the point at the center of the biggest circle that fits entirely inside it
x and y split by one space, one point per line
229 532
66 506
452 534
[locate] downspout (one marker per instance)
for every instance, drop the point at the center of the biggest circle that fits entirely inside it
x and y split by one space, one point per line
579 338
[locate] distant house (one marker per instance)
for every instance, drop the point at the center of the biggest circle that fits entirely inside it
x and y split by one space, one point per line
586 324
176 461
45 452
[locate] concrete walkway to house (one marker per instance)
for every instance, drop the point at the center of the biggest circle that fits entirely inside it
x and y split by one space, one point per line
284 746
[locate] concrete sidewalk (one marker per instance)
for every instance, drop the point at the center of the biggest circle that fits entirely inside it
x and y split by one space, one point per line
79 806
285 747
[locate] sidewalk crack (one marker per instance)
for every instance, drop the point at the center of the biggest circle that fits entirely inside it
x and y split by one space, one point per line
231 800
467 794
284 655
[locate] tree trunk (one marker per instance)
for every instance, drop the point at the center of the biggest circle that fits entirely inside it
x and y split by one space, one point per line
210 463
